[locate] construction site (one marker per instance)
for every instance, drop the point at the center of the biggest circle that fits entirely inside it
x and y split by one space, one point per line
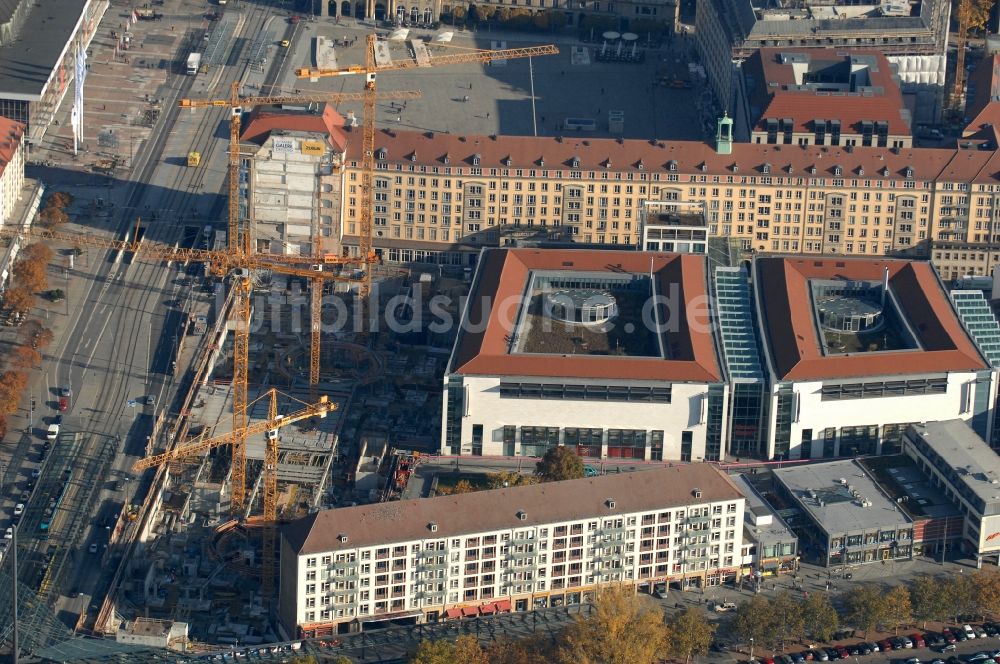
275 421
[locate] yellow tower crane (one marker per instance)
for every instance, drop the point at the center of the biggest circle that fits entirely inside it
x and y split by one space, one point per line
220 263
239 245
370 70
270 428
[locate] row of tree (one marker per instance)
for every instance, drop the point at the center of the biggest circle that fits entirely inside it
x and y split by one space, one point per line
559 463
772 622
622 628
30 277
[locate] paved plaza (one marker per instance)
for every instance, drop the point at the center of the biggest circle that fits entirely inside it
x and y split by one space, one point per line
496 98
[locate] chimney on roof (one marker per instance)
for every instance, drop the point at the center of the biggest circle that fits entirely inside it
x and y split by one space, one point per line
885 284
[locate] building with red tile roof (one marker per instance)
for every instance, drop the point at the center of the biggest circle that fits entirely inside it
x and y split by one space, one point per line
561 346
825 96
485 552
297 154
858 348
982 106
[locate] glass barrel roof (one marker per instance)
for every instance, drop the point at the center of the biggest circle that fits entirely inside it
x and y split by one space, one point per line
733 309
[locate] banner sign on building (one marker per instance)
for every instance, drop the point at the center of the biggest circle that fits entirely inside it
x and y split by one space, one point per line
77 112
313 147
282 145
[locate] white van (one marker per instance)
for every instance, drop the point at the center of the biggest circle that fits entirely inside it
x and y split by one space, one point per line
53 432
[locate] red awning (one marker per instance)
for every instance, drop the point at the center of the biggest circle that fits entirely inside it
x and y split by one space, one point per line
488 609
468 611
453 613
503 606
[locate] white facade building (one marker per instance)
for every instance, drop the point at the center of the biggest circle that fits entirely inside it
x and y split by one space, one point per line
857 349
963 466
295 180
508 549
520 380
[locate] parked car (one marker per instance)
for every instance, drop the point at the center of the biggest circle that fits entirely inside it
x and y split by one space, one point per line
832 654
885 645
960 633
898 643
874 646
9 533
808 655
907 642
820 655
969 632
949 636
798 658
93 547
937 661
933 639
19 509
843 652
913 660
948 647
63 404
978 657
918 641
855 650
866 648
66 391
53 432
980 632
991 629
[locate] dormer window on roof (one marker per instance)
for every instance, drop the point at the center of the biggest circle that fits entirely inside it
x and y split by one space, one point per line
909 171
507 161
812 170
861 171
476 158
607 163
885 171
413 156
704 166
447 158
541 161
672 165
838 171
639 165
766 169
736 167
790 169
575 162
380 153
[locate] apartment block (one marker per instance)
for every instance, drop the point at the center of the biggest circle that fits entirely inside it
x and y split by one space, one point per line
913 38
825 96
440 198
513 549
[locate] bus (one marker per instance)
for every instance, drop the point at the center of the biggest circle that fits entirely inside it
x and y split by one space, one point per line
50 511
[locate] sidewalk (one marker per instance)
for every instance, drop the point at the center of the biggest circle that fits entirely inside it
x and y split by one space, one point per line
121 94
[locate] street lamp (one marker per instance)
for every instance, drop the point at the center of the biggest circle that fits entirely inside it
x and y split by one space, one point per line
751 648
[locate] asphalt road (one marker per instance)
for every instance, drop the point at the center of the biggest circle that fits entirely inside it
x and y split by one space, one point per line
117 330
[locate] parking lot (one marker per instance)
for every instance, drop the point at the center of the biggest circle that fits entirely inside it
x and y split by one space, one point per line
960 644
